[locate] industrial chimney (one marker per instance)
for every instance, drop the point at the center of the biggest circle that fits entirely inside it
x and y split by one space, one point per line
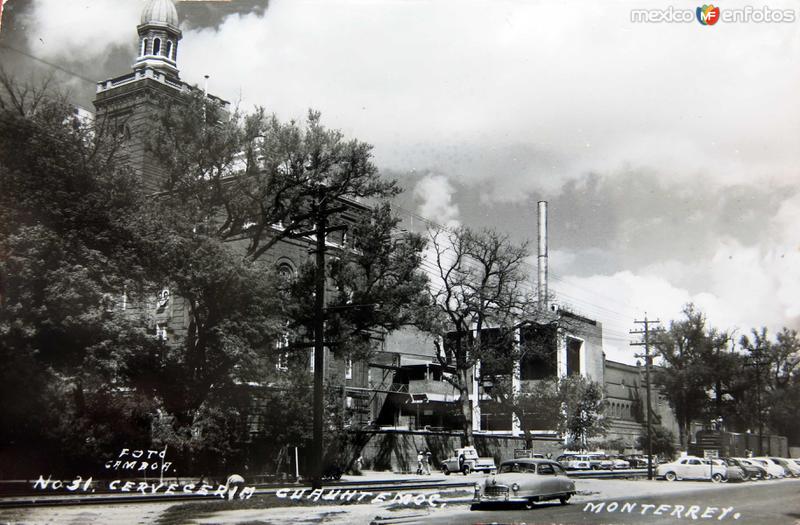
542 259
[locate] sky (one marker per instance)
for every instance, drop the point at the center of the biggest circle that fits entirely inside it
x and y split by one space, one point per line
668 152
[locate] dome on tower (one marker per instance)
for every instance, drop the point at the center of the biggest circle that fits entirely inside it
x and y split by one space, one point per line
160 12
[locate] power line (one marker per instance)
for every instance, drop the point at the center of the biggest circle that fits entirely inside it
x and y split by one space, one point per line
51 64
647 364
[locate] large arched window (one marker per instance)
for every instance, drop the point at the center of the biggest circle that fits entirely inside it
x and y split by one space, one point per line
286 273
157 46
169 49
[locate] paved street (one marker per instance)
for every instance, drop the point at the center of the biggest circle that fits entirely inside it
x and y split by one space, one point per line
598 501
755 503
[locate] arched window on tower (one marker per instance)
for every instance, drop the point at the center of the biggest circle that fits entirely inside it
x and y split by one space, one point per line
169 49
144 47
157 46
286 276
286 273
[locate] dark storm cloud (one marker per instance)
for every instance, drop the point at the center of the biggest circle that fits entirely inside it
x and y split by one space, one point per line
631 219
199 14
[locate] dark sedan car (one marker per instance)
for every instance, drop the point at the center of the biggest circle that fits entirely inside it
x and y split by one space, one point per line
525 481
748 471
756 471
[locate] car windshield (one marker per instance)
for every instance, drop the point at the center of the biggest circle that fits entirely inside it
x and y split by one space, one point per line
506 468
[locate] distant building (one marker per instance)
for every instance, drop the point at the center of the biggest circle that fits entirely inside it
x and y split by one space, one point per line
626 404
419 397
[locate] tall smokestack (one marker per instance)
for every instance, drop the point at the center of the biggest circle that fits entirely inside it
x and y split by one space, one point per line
542 259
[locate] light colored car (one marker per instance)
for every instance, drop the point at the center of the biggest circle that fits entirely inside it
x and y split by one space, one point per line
773 469
578 462
691 467
525 481
466 460
618 463
788 465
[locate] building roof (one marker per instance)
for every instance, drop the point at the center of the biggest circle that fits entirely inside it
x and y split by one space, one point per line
161 12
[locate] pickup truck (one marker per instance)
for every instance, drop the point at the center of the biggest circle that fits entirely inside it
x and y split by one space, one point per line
466 460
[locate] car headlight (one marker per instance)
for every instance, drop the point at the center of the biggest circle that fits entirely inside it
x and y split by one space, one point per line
514 487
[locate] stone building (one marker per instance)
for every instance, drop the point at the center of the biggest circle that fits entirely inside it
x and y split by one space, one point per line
127 105
626 401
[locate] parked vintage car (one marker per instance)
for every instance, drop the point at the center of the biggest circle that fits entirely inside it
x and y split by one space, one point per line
616 462
525 481
691 467
466 460
773 469
789 466
733 472
578 462
638 461
749 470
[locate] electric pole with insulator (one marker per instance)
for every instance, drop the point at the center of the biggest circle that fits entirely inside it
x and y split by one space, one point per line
647 364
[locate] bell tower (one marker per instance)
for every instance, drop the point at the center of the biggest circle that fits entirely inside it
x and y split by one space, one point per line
158 37
127 105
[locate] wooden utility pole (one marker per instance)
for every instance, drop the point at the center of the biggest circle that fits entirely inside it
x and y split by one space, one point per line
757 361
317 442
321 212
647 363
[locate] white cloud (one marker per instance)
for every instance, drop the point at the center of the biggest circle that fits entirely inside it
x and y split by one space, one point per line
436 195
742 287
81 30
499 93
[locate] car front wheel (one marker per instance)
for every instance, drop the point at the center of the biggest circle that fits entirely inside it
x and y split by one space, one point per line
564 499
716 478
445 470
670 476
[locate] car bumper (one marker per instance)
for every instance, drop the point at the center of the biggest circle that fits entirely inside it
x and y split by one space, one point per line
501 499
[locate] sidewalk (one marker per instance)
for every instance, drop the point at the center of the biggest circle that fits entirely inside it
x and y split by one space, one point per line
387 475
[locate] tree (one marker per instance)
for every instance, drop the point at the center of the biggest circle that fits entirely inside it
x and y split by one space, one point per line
688 350
663 442
573 405
376 286
785 398
770 368
250 181
582 405
536 405
243 174
477 298
65 259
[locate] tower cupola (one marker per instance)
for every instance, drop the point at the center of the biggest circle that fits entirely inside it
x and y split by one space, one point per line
158 37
